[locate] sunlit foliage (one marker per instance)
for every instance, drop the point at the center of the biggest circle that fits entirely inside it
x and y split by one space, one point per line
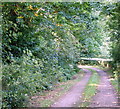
42 43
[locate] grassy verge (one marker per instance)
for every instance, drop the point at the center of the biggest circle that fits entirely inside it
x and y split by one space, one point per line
90 90
47 98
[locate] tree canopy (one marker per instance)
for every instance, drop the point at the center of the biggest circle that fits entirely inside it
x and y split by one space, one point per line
43 42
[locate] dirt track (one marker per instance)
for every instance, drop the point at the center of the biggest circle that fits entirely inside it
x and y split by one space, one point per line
105 97
74 94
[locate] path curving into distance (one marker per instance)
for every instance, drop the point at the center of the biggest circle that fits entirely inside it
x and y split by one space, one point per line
105 96
74 94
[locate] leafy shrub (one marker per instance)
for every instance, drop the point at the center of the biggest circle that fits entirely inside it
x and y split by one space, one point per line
26 76
41 44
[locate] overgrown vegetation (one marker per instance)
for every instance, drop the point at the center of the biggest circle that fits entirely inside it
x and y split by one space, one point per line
47 98
112 13
43 42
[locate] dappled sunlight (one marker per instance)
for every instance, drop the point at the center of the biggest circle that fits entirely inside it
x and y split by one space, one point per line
93 85
51 49
84 66
112 79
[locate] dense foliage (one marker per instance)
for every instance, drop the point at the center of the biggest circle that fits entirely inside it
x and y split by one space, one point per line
115 34
112 14
42 43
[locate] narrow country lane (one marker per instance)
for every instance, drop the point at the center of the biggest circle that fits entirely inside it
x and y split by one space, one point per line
42 45
105 96
74 94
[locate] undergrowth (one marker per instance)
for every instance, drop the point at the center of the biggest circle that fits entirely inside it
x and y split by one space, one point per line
47 98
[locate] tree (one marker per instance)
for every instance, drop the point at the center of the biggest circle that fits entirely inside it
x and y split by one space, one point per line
42 42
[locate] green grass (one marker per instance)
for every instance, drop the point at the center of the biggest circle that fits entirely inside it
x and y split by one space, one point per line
47 98
90 90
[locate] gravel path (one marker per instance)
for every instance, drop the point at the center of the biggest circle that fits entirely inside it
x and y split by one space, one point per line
75 94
